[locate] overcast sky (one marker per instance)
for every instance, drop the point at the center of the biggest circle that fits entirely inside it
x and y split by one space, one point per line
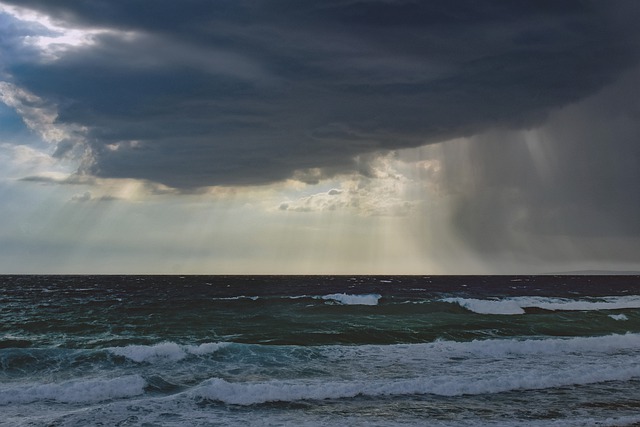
336 136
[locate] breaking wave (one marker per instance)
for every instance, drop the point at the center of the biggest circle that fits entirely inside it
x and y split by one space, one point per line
517 305
220 390
166 351
446 368
79 391
342 298
346 299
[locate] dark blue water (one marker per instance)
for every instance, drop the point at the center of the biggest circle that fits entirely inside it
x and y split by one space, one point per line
319 350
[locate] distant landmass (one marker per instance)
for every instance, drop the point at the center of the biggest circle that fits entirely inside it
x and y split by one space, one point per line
600 273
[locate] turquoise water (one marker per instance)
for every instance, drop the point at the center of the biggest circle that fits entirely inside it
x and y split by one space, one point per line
312 350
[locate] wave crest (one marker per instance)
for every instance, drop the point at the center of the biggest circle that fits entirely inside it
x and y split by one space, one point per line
166 351
81 391
217 389
347 299
517 305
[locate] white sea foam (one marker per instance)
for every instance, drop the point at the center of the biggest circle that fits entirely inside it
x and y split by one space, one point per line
516 305
499 348
399 358
166 351
480 360
446 368
206 348
249 393
79 391
368 299
346 299
618 317
480 306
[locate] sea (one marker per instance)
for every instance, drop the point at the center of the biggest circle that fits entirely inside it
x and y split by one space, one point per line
552 350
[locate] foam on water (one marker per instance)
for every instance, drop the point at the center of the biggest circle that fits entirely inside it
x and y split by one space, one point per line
413 356
346 299
444 368
166 351
618 317
78 391
487 306
342 298
499 348
218 389
516 305
206 348
466 358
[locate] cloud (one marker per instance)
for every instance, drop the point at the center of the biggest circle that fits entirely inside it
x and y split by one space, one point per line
18 161
40 117
61 178
565 190
41 37
84 197
246 93
102 189
384 192
87 196
25 156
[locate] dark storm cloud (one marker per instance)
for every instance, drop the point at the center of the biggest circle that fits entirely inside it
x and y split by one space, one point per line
198 93
568 189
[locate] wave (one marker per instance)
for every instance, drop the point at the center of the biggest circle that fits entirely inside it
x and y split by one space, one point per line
342 298
421 356
499 348
364 355
218 389
78 391
445 368
346 299
618 317
517 305
166 351
391 354
239 297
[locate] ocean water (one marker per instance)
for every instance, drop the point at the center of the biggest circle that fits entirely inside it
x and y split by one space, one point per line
319 350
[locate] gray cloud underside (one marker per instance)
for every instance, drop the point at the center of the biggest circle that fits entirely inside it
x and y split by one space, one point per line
249 92
570 192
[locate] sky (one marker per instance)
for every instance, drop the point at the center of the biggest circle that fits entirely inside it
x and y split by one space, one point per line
319 137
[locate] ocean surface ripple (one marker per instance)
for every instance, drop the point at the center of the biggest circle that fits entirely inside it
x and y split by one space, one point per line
320 350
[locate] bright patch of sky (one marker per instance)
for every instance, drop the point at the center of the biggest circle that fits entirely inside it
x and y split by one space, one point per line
51 39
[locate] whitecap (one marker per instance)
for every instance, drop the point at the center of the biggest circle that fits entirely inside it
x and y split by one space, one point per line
415 356
78 391
446 368
166 351
487 306
618 317
250 393
517 305
347 299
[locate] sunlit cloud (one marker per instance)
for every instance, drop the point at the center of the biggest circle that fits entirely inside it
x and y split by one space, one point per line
40 116
25 157
59 38
382 191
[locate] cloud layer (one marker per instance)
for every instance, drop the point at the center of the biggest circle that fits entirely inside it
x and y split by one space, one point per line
192 94
576 177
